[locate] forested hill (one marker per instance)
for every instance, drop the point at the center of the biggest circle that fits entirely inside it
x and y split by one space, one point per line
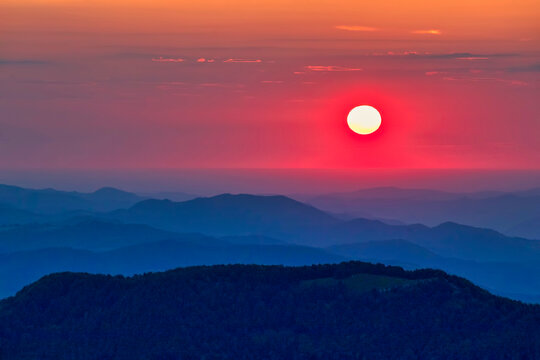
347 311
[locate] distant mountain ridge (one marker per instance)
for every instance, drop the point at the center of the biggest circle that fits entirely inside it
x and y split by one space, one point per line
227 214
513 213
527 228
86 234
168 195
448 239
18 269
12 215
50 201
286 219
390 192
258 222
502 211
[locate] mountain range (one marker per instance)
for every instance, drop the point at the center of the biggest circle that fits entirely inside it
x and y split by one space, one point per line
246 229
227 214
18 269
50 201
513 213
102 246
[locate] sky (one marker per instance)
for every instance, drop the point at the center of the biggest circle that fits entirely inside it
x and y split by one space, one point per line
263 84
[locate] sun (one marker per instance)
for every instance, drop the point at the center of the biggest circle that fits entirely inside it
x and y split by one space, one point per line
364 119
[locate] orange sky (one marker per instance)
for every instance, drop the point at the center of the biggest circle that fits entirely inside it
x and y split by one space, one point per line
463 20
257 84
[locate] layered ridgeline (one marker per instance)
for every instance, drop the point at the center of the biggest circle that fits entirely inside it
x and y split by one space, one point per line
287 219
155 235
346 311
50 201
21 268
513 213
227 214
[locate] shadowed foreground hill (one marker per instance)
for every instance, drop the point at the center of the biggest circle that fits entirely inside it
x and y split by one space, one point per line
519 280
347 311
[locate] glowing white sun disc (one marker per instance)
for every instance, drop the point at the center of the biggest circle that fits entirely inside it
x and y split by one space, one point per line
364 119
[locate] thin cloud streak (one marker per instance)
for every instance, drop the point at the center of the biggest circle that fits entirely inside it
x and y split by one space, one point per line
356 28
331 68
473 58
205 60
427 32
173 60
450 77
243 61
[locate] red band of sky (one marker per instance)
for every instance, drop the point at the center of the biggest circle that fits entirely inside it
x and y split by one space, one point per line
214 84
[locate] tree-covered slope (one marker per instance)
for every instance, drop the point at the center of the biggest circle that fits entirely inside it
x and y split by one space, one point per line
347 311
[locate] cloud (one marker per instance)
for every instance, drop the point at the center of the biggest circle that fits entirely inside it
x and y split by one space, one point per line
473 58
525 68
470 56
356 28
173 60
202 60
475 75
427 32
331 68
232 60
518 83
205 60
412 54
511 82
400 53
170 85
